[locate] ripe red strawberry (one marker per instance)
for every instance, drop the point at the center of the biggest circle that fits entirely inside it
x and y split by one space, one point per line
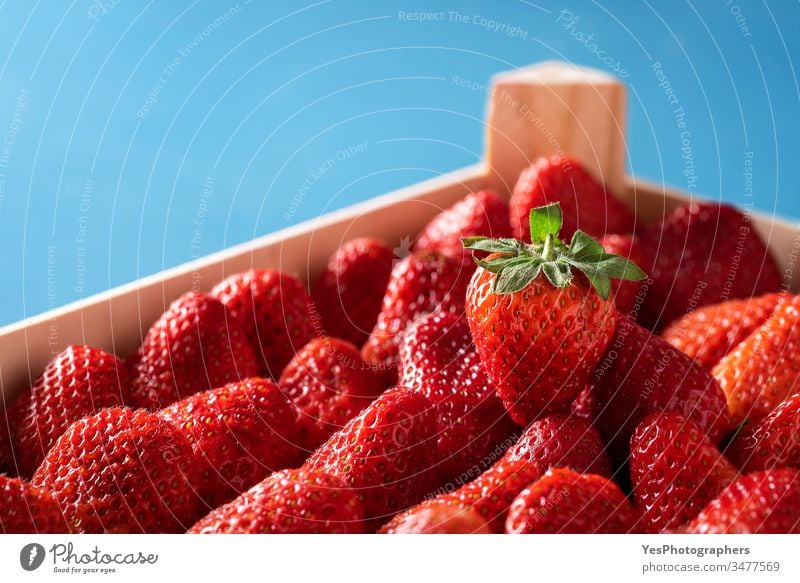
349 293
78 382
275 312
444 515
385 454
642 373
328 383
540 328
420 284
774 442
481 213
6 456
489 495
122 471
565 502
587 205
562 440
703 254
585 405
760 503
711 332
240 433
25 509
764 368
675 470
438 359
628 295
194 346
433 347
492 493
288 502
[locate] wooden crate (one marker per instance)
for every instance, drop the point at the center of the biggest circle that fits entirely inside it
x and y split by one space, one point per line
546 108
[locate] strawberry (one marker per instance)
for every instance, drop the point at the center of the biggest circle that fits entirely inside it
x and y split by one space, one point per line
328 383
122 471
587 205
675 470
765 502
565 502
627 295
585 405
438 516
562 440
642 373
385 454
543 445
702 254
349 292
25 509
288 502
774 442
275 312
76 383
240 433
488 496
491 493
6 455
764 368
194 346
481 213
539 328
433 347
711 332
420 284
438 359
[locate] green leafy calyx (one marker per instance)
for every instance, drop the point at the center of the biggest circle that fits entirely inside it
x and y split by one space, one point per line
516 264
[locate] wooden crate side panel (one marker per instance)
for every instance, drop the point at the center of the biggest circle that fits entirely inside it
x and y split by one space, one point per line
117 320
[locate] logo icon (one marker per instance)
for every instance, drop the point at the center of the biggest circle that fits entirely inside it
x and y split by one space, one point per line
403 250
31 556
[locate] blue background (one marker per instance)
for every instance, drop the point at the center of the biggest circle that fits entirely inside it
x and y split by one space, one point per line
100 184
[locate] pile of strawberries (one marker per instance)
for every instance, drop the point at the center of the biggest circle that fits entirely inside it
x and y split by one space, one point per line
549 365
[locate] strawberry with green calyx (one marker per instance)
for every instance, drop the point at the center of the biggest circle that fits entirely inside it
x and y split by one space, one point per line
539 313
